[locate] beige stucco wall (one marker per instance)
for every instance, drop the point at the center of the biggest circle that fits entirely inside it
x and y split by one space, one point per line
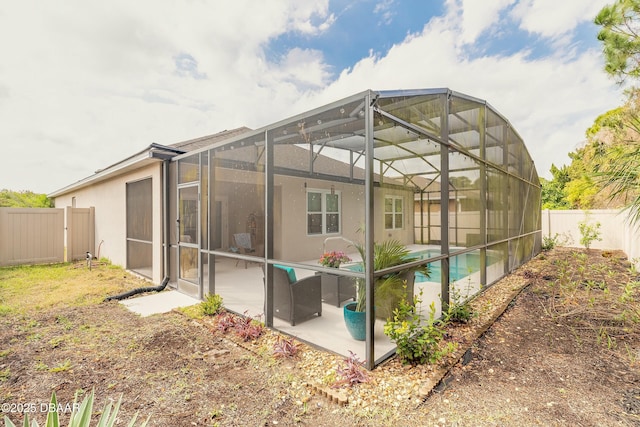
291 242
109 199
298 246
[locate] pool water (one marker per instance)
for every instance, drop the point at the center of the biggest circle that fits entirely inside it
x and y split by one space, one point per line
460 266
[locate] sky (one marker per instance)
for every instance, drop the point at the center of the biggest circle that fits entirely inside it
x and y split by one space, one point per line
86 83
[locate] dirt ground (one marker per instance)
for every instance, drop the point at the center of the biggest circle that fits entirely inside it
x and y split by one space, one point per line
565 352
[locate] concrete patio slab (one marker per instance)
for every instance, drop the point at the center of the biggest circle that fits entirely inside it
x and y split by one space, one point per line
161 302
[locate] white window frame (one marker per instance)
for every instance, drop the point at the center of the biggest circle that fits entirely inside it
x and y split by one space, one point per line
394 213
323 211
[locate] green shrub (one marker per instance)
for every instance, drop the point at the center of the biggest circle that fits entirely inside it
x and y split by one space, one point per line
589 233
459 309
417 340
211 305
549 242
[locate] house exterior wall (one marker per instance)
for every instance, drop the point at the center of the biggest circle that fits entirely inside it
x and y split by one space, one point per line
109 199
300 246
297 245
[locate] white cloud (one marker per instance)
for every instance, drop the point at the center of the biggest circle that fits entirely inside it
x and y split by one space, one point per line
304 68
550 101
553 18
386 10
84 84
477 16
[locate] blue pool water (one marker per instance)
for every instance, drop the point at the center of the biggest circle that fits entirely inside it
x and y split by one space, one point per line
459 266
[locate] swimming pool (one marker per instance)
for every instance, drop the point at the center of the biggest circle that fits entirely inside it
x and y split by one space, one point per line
460 266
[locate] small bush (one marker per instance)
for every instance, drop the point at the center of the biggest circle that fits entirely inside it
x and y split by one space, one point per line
211 305
417 340
245 327
459 309
249 328
589 233
226 321
351 372
549 242
459 312
285 347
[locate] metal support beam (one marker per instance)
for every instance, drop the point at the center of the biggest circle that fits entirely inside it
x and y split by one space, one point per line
369 236
444 205
268 227
482 130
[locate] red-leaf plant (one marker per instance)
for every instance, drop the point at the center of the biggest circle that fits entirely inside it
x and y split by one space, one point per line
351 372
285 347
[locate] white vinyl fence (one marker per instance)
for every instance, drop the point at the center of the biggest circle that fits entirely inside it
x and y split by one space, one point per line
616 232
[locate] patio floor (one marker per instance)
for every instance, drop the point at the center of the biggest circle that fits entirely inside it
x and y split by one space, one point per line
161 302
242 291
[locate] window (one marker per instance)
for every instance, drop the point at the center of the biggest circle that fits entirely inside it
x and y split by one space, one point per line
323 212
393 212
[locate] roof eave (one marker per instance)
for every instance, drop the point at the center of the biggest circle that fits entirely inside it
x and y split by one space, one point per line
152 154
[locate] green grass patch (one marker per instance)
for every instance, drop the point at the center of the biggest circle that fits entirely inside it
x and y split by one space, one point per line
24 289
57 341
4 310
192 311
61 367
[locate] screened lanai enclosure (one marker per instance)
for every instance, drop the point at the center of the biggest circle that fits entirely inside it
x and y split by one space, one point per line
441 173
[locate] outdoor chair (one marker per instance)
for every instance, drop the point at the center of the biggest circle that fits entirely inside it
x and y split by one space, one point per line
245 245
295 300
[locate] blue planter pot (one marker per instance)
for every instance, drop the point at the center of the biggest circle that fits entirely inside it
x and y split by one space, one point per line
355 321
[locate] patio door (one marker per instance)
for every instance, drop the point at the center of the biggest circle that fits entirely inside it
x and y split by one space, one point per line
189 240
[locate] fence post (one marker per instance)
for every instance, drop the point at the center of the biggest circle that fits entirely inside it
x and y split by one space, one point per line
4 242
92 229
69 231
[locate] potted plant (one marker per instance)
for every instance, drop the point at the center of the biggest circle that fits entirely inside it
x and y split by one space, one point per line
333 259
389 289
335 288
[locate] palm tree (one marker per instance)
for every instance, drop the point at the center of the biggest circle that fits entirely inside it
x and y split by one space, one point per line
620 174
390 288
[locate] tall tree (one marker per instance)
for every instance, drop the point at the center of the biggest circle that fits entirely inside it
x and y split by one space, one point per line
24 199
553 196
620 38
619 174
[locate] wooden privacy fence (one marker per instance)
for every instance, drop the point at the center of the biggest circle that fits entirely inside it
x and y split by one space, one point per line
37 235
